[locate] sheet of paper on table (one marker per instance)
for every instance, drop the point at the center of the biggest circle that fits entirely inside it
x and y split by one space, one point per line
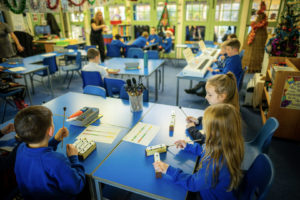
103 133
17 69
142 133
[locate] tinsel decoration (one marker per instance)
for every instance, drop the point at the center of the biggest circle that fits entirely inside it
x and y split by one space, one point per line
92 2
15 10
77 4
52 7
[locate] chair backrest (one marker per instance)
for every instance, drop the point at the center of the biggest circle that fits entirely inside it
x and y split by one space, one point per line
89 47
124 95
113 86
153 54
78 60
263 139
113 51
242 53
74 47
241 79
94 90
51 63
135 53
91 78
258 179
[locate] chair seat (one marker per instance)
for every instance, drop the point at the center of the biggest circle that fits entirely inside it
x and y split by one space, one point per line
251 152
70 68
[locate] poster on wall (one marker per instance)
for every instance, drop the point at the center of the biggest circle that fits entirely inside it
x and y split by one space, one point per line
291 93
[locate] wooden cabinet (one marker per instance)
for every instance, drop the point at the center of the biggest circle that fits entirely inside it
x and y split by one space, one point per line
283 102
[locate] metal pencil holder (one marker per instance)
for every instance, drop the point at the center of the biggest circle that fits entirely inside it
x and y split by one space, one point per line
136 102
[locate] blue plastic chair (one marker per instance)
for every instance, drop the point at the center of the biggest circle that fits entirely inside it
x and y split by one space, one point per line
261 143
153 54
113 51
94 90
242 53
257 180
74 47
113 86
89 47
91 78
135 53
4 97
73 68
240 81
124 95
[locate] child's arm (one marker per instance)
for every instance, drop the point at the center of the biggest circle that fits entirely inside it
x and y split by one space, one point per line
61 133
192 148
196 134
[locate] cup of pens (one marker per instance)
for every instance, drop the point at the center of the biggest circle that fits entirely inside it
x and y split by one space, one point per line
135 93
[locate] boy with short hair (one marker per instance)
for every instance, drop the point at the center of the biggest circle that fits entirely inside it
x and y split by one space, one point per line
141 41
93 55
41 172
153 37
118 44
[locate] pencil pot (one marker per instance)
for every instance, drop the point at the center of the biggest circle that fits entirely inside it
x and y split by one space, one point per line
136 103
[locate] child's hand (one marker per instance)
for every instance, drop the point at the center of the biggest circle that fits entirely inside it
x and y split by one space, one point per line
160 166
61 134
191 124
8 128
190 119
210 69
71 150
180 143
216 70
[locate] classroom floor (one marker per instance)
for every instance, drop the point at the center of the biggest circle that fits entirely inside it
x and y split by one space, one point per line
283 153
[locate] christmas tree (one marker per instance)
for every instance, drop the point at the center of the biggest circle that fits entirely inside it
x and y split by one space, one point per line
286 41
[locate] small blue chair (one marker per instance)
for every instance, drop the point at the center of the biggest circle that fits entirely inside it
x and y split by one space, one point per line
86 48
261 143
113 51
91 78
135 53
257 180
242 53
153 54
73 68
124 95
74 47
240 81
94 90
113 86
4 97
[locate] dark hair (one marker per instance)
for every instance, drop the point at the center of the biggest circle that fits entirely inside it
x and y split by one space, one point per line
32 123
92 53
231 36
234 43
117 36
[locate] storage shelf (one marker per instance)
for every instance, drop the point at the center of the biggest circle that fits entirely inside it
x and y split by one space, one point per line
267 96
263 116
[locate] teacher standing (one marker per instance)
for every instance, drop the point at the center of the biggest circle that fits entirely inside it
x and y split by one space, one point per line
97 27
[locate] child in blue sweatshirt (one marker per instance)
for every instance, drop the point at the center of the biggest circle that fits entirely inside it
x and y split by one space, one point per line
218 174
41 172
141 41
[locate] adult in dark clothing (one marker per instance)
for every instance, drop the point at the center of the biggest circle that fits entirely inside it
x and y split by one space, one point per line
96 38
25 40
51 21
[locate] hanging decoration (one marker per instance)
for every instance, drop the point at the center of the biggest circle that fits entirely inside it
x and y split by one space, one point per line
19 10
91 2
35 4
77 4
164 19
52 7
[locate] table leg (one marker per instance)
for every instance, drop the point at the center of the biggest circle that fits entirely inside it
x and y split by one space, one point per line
147 82
156 86
163 78
31 80
191 84
27 90
49 81
98 190
177 91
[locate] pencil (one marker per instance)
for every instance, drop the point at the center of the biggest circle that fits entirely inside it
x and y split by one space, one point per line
62 139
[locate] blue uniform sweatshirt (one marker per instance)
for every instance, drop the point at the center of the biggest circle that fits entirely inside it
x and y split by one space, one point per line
42 173
167 45
140 42
155 37
201 181
232 64
118 44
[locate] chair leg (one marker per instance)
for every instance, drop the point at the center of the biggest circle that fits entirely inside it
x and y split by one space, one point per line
31 80
70 80
66 77
4 109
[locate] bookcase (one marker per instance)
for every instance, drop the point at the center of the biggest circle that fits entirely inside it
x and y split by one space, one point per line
125 30
282 99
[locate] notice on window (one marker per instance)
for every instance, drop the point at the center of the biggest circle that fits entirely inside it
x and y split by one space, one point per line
291 93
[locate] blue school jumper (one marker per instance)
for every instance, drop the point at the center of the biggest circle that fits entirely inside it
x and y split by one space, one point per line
140 42
167 45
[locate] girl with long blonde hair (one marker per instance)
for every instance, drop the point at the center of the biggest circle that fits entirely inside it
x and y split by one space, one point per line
96 38
221 157
220 88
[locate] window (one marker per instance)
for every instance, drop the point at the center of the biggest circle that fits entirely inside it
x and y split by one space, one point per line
171 11
101 8
141 12
117 11
194 33
196 11
221 32
227 10
77 17
272 9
